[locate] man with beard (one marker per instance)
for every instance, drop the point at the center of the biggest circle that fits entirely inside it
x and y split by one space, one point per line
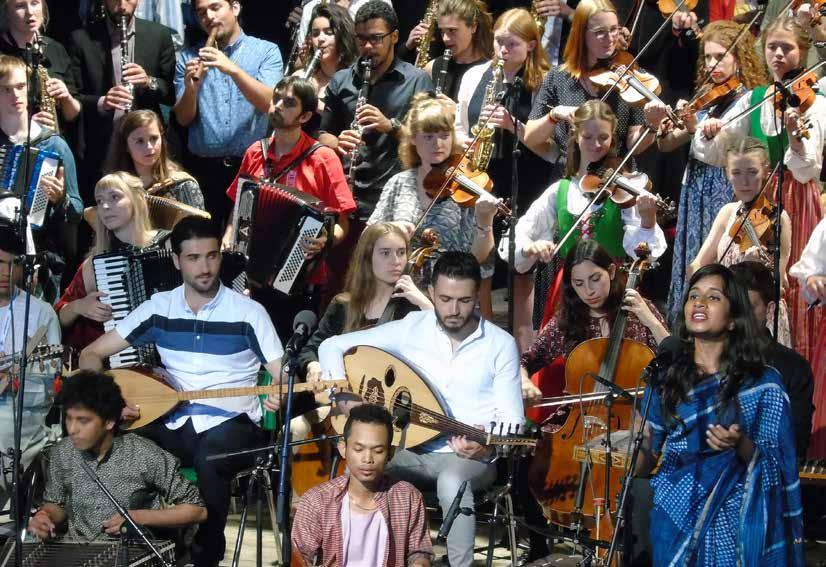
222 94
291 157
472 363
207 336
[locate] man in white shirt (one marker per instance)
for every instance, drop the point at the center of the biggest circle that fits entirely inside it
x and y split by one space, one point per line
39 379
475 367
207 336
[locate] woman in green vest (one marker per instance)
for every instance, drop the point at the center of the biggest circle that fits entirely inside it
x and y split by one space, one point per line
786 45
618 230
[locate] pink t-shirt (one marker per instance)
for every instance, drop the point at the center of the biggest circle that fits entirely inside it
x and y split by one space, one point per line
364 534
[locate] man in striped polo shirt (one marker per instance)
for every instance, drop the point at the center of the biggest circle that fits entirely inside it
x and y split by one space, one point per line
207 336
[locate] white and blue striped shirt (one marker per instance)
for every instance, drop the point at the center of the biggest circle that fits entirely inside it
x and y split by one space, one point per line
223 345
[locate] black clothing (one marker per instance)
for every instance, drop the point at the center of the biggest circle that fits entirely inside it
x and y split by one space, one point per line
91 52
453 78
798 379
391 94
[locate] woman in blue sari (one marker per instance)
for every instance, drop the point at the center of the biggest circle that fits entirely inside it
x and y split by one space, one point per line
727 490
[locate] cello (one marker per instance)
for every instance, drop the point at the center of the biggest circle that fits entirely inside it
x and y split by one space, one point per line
579 453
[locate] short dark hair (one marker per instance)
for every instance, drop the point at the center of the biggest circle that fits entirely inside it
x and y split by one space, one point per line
370 413
457 265
377 9
755 276
302 89
10 240
95 391
192 227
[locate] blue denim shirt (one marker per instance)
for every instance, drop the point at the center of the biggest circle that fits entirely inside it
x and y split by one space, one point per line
227 123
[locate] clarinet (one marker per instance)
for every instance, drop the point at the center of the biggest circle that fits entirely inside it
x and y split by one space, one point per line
312 65
361 101
442 78
124 58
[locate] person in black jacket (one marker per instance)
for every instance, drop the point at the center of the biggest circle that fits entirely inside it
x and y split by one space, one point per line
795 370
96 58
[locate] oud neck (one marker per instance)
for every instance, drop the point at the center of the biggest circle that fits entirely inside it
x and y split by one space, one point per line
256 390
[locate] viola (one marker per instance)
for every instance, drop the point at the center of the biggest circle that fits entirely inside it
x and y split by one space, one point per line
755 225
635 86
455 178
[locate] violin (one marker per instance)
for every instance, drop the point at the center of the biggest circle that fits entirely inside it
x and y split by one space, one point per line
624 188
711 96
455 178
635 86
668 7
803 95
755 225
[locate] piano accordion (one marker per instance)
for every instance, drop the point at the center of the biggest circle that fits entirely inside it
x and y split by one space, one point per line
270 224
130 278
82 554
13 178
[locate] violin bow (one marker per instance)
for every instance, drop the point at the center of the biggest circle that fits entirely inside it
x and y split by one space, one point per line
636 13
760 103
749 208
642 50
603 192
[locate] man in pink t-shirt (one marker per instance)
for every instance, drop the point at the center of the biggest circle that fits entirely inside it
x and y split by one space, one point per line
363 519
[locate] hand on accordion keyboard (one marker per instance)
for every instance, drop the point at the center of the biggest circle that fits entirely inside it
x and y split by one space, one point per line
92 308
53 185
313 246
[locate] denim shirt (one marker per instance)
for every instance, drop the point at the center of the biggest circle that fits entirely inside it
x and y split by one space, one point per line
227 123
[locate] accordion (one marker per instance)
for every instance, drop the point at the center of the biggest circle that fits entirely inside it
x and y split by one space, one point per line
13 177
82 554
270 224
130 278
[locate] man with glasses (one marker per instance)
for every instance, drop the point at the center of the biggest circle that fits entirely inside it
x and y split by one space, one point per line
223 95
291 157
392 84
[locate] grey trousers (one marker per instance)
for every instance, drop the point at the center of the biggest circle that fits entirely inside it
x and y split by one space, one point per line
448 472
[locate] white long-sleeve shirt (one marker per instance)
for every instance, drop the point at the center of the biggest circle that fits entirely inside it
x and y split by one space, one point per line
812 260
539 223
804 167
479 381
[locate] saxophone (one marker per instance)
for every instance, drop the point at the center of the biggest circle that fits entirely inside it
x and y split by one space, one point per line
539 20
366 66
124 57
423 49
47 102
483 134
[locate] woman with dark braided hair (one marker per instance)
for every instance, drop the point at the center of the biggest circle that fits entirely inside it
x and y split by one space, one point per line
727 490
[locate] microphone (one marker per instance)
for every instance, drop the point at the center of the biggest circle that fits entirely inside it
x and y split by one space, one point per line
452 513
303 326
667 352
791 99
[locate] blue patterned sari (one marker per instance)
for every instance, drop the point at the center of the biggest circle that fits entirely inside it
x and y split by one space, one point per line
711 508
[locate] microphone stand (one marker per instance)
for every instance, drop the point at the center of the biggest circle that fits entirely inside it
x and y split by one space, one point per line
284 488
28 270
514 92
130 527
778 277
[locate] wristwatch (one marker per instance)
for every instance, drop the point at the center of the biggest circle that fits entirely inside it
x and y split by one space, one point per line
152 84
395 126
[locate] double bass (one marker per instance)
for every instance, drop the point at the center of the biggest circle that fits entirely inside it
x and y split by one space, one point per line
577 470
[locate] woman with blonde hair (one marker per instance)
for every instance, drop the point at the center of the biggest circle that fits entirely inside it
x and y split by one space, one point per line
121 222
139 147
428 139
705 186
517 50
785 48
594 37
375 277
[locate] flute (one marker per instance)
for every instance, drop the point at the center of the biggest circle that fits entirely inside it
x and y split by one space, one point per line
211 41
